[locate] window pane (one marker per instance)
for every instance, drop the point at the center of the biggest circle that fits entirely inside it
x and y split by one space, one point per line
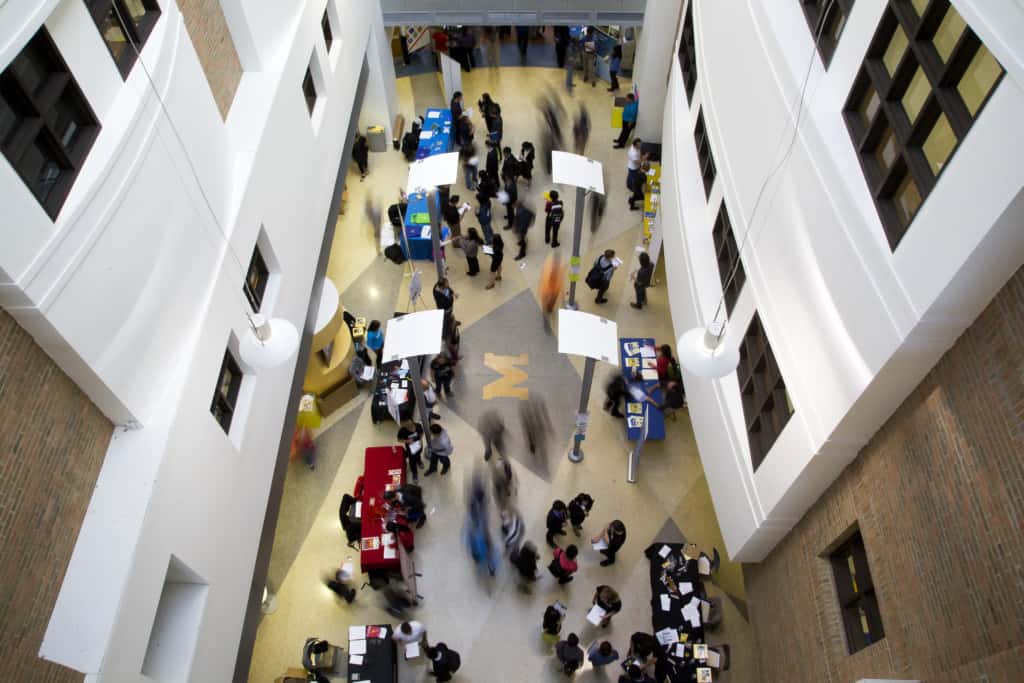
868 106
113 34
977 82
907 200
917 93
939 144
836 21
894 53
920 6
948 33
136 9
67 122
41 163
886 152
8 120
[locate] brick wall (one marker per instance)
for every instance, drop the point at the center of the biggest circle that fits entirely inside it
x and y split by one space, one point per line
52 443
939 497
208 29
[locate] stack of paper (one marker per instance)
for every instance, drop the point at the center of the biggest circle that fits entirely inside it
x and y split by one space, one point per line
691 612
685 587
356 632
664 551
356 660
714 659
667 636
412 650
596 614
357 647
666 602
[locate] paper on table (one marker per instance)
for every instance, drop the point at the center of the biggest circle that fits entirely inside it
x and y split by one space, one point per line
635 422
412 650
703 675
600 545
356 647
433 114
691 612
647 351
635 408
667 636
664 551
649 375
666 602
425 232
426 135
389 552
596 614
700 651
387 539
357 660
632 348
685 587
680 650
714 659
367 373
356 632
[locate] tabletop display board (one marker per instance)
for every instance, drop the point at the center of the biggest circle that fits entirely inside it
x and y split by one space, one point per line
585 334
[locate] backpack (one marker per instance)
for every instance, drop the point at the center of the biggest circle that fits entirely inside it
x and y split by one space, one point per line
394 253
595 277
454 660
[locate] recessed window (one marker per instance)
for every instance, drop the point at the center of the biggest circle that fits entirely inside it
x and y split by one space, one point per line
729 262
124 24
46 125
309 90
225 396
856 592
826 19
766 405
256 279
688 53
325 25
934 76
704 156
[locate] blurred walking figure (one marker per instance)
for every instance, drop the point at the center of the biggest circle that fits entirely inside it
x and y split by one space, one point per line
511 528
588 55
504 482
483 214
340 581
523 41
361 155
525 561
524 217
571 55
492 429
478 531
536 421
614 64
470 165
551 277
492 47
527 154
581 130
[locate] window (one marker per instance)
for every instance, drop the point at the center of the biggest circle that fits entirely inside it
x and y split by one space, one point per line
46 124
857 603
124 23
688 53
766 405
707 161
225 395
256 279
826 19
325 24
925 79
309 90
728 259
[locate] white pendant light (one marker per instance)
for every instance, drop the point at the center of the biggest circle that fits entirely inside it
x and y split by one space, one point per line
703 352
269 343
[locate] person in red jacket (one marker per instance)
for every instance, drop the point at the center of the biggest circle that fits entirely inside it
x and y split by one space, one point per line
564 565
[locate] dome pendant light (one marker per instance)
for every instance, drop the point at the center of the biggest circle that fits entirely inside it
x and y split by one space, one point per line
704 353
269 343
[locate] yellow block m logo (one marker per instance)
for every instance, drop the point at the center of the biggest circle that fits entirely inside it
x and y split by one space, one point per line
505 386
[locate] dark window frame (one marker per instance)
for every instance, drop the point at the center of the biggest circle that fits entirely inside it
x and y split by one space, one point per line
839 10
35 131
855 593
137 32
224 402
309 90
942 99
256 278
688 53
325 26
727 254
766 405
705 157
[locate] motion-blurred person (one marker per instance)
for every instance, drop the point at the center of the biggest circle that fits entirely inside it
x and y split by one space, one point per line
588 55
523 221
550 282
483 214
492 429
561 44
581 130
492 161
470 245
615 391
614 64
511 528
361 155
523 42
340 581
492 47
536 422
478 531
571 56
470 164
497 256
504 482
555 210
511 196
527 154
525 561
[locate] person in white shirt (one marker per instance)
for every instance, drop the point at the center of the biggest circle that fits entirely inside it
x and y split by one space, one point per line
410 632
634 174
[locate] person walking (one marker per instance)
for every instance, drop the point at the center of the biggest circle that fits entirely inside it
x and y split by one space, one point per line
470 164
642 280
497 256
525 561
604 266
492 47
614 393
523 220
410 435
629 114
411 632
483 214
608 600
579 508
523 42
561 43
602 654
492 429
509 164
635 183
551 622
564 565
557 516
443 661
340 581
614 64
440 450
570 64
510 199
456 105
589 56
612 538
527 154
375 342
470 245
570 654
555 210
444 295
581 130
453 216
492 161
361 155
444 373
634 159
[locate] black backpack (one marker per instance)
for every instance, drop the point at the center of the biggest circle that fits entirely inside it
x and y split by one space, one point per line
595 277
454 660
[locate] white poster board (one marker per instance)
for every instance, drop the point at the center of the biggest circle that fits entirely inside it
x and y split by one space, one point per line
433 171
451 76
578 171
585 334
414 334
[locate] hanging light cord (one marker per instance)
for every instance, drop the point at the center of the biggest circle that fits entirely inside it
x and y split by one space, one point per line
778 166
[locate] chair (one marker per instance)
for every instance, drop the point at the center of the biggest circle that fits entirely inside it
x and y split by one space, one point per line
714 619
721 662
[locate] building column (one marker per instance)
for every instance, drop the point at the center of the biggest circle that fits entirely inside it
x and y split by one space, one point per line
654 55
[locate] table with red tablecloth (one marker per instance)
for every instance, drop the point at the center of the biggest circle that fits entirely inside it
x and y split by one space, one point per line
383 470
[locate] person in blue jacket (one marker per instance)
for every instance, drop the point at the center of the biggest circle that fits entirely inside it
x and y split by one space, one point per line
629 113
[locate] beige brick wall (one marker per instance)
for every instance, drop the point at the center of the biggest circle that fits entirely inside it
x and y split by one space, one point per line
208 29
52 443
939 497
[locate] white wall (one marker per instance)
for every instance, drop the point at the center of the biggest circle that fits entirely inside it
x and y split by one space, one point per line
131 290
853 325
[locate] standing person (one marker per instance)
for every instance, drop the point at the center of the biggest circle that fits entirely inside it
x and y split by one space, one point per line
361 155
471 246
509 164
453 217
410 435
614 393
602 654
484 104
487 185
589 55
607 599
523 220
570 64
564 565
440 450
375 342
629 113
470 164
555 211
614 64
411 632
633 160
581 130
497 256
464 130
492 429
557 516
511 197
443 661
430 398
579 508
496 126
668 367
443 372
483 214
456 105
492 47
561 43
523 41
642 280
551 623
570 654
636 183
613 538
492 158
525 562
527 153
444 295
604 268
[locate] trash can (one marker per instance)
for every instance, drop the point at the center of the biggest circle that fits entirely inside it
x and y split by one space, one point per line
618 104
376 140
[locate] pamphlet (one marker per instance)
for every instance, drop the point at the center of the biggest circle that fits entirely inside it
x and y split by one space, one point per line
666 602
680 650
367 374
356 632
649 375
356 647
596 614
415 447
700 651
632 348
356 660
635 408
714 659
359 509
664 551
412 650
667 636
488 250
433 114
600 545
647 351
685 588
632 362
635 421
616 261
426 134
371 543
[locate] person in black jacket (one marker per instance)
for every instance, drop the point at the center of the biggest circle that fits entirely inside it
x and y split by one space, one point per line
555 211
456 105
444 295
557 516
527 154
443 661
614 393
525 561
512 192
493 159
642 280
452 216
361 155
614 537
579 508
523 220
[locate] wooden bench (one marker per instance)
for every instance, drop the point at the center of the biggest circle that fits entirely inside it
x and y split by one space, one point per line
397 131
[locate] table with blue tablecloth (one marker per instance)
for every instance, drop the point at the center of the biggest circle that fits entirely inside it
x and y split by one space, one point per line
436 136
417 222
638 354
